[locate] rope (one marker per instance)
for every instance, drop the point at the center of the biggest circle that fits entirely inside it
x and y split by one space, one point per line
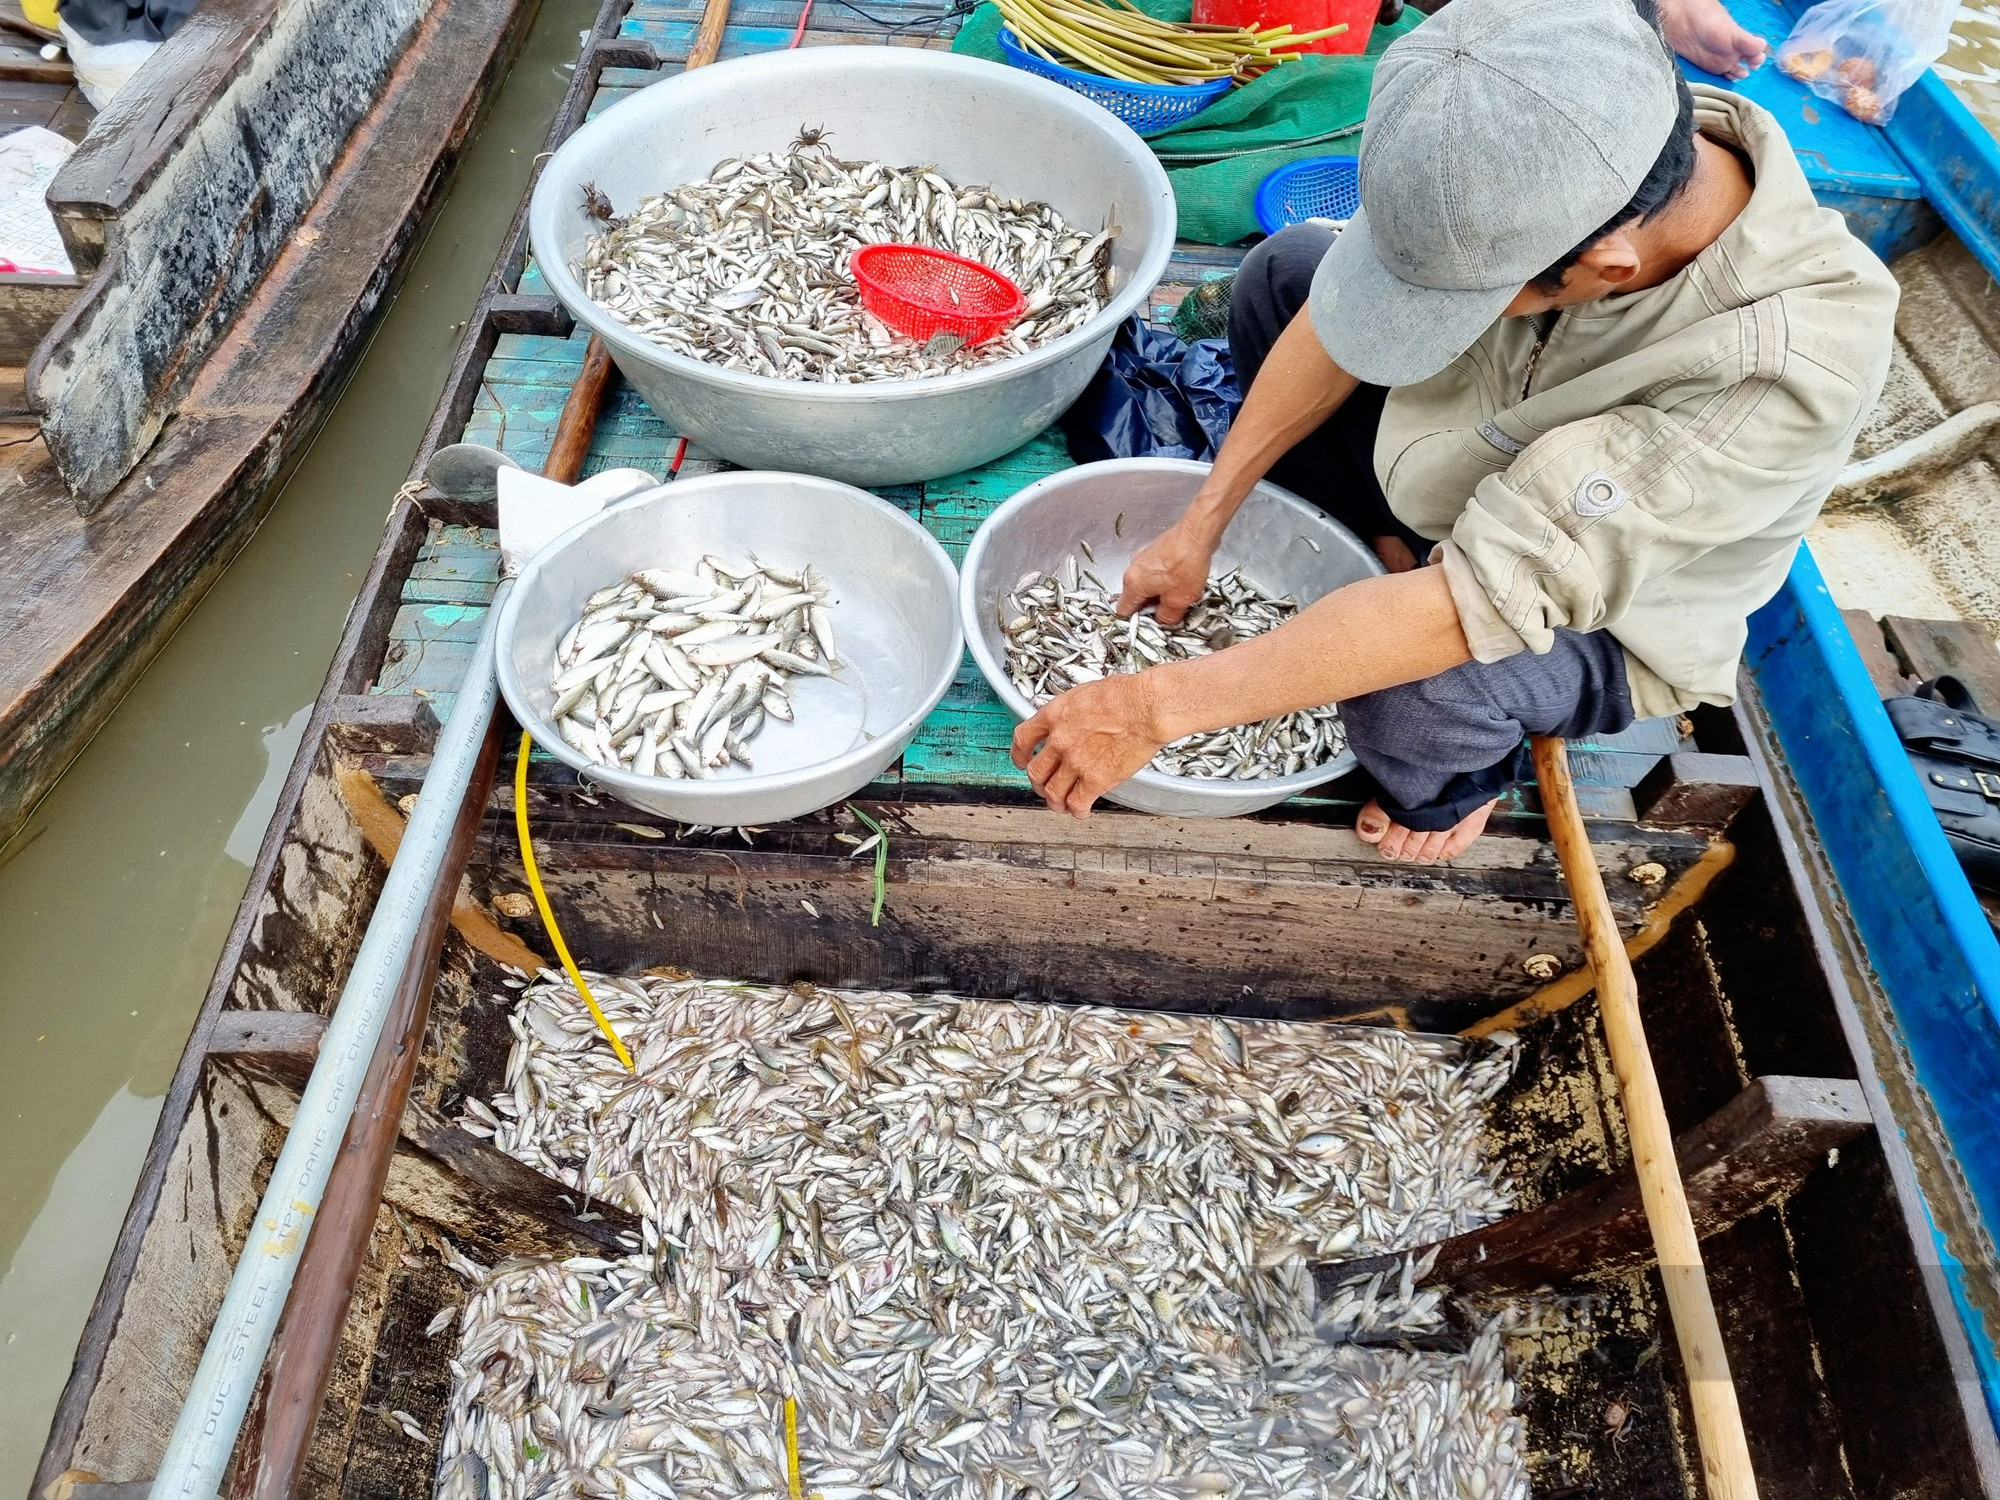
542 903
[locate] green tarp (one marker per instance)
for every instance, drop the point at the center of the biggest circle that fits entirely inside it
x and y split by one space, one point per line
1312 107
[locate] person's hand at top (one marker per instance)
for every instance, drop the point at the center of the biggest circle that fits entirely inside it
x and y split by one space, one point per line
1705 34
1171 570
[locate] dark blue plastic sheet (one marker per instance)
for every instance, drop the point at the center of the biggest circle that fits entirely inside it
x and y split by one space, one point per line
1155 397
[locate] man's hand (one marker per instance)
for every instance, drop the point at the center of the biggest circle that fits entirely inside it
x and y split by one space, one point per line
1172 569
1091 738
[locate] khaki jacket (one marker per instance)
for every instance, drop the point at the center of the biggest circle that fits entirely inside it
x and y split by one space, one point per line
1651 469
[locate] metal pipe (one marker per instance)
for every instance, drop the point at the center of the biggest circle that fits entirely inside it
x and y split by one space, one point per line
276 1438
205 1434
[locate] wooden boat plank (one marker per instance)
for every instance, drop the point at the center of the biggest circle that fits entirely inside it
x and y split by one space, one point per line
354 661
286 1040
151 120
1869 643
88 602
1931 648
985 897
30 305
1898 1321
1755 1150
31 101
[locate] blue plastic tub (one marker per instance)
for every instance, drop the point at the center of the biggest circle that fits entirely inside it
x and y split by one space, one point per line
1320 187
1148 108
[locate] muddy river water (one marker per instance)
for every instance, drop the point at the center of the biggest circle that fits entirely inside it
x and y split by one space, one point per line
115 899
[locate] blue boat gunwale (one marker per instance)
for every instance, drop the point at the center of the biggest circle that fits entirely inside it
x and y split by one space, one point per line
1923 932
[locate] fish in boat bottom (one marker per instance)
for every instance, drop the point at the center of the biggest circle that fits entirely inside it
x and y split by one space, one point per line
989 1250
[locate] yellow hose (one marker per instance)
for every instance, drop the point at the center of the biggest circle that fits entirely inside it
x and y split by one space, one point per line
792 1448
542 903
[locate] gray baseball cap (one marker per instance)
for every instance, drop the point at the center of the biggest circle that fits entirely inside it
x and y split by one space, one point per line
1499 134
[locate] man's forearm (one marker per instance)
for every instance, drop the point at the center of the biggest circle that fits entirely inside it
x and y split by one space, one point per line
1297 389
1371 635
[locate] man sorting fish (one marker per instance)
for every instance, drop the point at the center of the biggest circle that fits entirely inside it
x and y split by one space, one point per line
1582 370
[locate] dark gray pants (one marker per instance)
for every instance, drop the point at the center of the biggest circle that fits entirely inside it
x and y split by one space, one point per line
1442 747
1445 746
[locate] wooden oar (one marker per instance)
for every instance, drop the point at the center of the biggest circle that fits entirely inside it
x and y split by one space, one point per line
1718 1423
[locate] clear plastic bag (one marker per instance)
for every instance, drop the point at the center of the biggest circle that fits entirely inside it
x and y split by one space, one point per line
1862 54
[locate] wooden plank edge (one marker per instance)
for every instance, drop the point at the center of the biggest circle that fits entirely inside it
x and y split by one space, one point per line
1752 1152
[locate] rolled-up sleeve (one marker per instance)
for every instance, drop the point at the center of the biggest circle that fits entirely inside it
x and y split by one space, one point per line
1582 519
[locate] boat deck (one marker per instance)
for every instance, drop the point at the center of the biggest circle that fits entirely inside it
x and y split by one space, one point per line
527 376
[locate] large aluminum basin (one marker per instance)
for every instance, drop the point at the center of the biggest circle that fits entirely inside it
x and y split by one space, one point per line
978 122
1281 543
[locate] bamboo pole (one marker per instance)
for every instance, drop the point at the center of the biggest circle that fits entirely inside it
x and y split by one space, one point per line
1718 1423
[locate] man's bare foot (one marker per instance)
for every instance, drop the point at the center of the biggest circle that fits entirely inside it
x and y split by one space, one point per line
1704 33
1395 553
1393 841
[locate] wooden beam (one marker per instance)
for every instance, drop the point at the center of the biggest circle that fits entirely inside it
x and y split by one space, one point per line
1691 789
577 425
1752 1152
81 1484
383 722
518 1186
285 1041
1560 994
1932 648
708 40
275 1439
382 826
1884 671
527 312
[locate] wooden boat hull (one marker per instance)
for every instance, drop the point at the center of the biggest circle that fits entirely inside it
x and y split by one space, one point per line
1823 1295
86 601
1841 1323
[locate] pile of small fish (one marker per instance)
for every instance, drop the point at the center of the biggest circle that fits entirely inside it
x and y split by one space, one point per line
749 269
672 674
1063 630
988 1249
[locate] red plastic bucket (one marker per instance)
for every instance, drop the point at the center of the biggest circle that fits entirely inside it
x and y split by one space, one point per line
1301 15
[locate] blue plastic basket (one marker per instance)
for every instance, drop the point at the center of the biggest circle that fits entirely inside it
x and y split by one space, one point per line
1148 108
1320 187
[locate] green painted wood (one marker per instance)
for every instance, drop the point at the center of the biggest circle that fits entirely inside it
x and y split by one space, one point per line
672 39
966 740
916 16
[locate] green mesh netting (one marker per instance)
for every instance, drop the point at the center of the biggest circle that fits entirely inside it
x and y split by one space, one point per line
1312 107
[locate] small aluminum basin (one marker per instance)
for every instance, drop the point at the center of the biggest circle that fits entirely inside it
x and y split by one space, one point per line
894 619
1271 538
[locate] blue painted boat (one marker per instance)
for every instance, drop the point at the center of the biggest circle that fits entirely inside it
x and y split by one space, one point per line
1927 973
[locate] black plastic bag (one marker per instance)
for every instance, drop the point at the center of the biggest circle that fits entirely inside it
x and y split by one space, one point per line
1155 397
108 22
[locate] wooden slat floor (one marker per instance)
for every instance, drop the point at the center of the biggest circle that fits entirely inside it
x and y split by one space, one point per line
964 743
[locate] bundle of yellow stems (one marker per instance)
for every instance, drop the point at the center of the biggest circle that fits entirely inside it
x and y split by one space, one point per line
1121 41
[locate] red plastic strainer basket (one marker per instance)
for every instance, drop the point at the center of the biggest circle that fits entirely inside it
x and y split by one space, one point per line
921 292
